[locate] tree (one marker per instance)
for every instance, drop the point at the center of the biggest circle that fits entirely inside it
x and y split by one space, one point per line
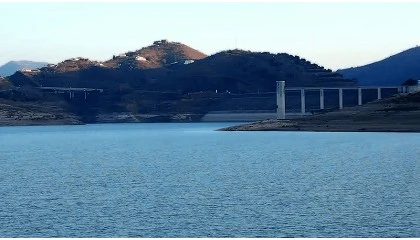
410 82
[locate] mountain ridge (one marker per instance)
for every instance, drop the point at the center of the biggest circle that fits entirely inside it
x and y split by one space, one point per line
177 79
177 67
390 71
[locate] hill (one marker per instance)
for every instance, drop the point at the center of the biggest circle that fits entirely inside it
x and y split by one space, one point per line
13 66
391 71
236 71
169 77
241 71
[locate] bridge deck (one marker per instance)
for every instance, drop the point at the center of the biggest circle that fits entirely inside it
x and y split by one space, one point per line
71 89
344 88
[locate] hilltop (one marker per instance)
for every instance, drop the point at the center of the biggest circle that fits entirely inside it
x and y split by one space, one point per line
161 53
391 71
13 66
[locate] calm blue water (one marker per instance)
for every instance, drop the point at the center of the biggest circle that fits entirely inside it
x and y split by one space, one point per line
186 180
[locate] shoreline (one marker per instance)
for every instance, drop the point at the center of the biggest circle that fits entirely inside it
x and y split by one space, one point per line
400 113
264 125
299 126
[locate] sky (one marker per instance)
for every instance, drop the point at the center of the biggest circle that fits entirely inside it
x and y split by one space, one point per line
335 35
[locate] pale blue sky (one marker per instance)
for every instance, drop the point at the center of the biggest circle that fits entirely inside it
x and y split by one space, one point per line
334 35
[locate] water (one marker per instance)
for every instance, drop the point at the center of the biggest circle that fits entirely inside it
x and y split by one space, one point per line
186 180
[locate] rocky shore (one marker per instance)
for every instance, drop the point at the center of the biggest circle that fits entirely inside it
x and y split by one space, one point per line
13 113
34 113
127 117
400 113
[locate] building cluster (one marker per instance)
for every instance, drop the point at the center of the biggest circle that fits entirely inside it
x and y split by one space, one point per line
76 59
163 41
30 70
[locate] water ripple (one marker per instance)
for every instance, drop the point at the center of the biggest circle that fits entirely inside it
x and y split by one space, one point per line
186 180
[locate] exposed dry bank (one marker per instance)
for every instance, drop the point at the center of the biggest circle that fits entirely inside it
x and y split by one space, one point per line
399 113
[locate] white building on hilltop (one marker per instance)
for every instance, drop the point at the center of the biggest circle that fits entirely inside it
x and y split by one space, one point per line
163 41
140 58
30 70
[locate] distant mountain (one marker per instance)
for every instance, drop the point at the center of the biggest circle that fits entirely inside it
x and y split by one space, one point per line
393 70
13 66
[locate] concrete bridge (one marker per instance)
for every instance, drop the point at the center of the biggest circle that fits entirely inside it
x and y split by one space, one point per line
71 90
281 93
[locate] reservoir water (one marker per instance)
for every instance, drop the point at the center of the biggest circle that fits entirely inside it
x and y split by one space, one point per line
187 180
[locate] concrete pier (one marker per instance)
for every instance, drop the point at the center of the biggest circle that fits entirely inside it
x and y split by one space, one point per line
302 101
379 93
340 98
321 98
281 100
359 95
